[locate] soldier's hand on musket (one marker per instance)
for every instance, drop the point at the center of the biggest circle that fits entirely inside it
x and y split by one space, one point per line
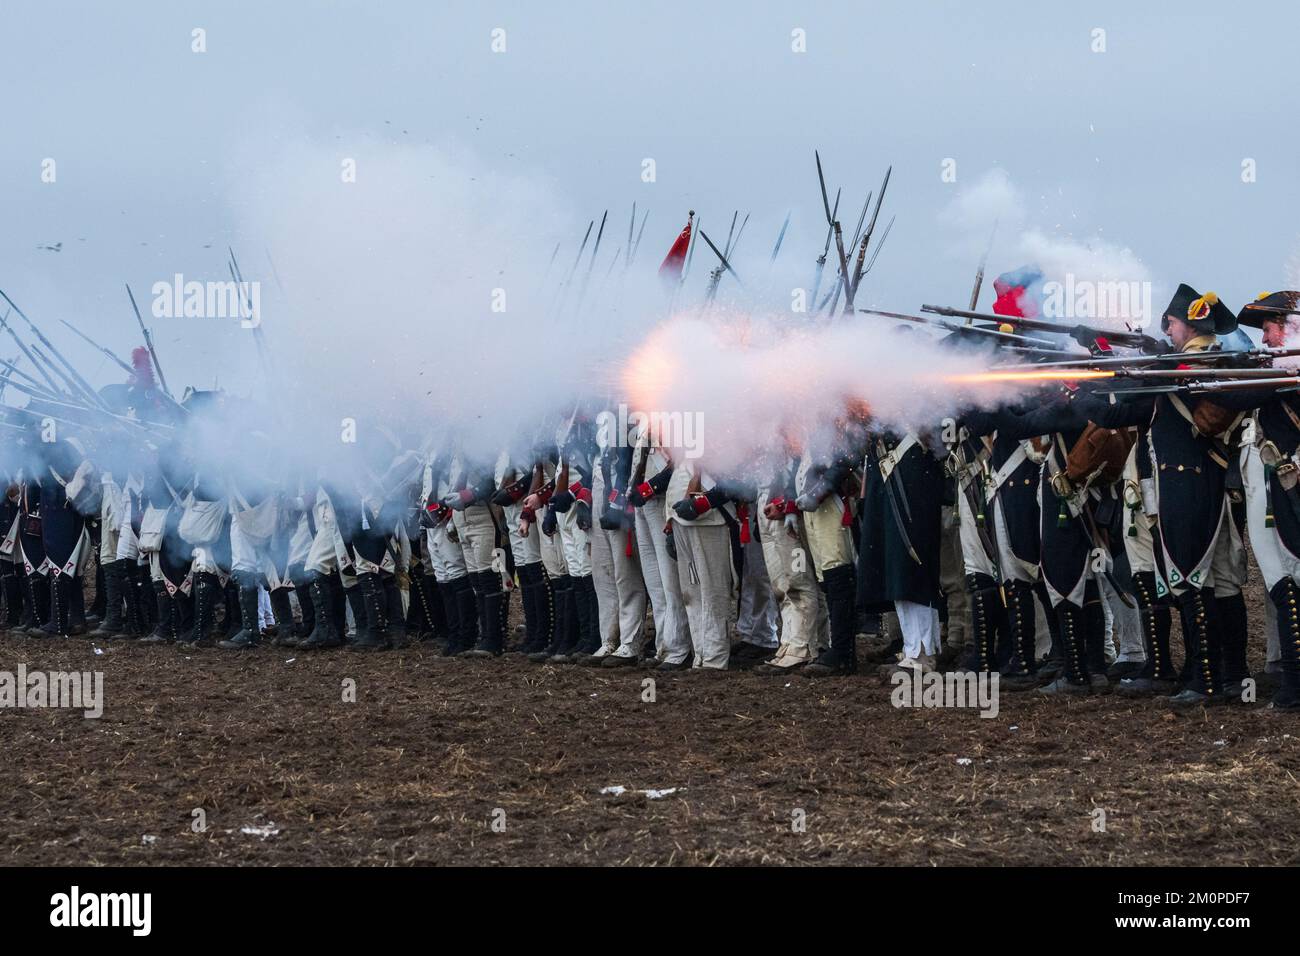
807 501
792 526
582 515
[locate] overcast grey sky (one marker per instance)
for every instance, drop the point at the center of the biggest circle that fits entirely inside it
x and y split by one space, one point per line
1141 145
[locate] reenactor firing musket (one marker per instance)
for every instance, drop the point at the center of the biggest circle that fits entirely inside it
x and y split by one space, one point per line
1085 335
1009 337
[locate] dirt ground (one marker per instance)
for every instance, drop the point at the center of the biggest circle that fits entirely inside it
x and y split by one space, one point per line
434 752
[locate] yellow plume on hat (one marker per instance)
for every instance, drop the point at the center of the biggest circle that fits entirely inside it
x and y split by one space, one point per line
1200 308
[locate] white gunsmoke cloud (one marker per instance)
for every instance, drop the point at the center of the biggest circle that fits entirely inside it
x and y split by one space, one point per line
752 377
969 221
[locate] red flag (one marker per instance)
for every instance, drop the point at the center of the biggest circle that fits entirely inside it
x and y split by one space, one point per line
675 261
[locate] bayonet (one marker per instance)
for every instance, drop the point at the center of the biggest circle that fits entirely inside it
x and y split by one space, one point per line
148 341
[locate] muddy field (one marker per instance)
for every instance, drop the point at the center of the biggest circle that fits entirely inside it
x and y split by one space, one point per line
434 751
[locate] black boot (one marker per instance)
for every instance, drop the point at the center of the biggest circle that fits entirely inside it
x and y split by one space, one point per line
565 635
282 611
1284 596
1157 674
98 607
419 621
76 606
1020 670
307 609
439 625
588 615
162 632
841 658
249 634
467 613
534 590
137 620
38 604
326 632
492 630
207 592
986 611
397 633
449 598
374 635
115 584
1201 684
13 595
58 623
1094 638
1074 652
1230 613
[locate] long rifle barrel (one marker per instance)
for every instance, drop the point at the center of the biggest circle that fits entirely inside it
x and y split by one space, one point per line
1118 336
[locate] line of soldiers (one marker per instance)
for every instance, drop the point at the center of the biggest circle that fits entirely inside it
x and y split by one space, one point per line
1055 534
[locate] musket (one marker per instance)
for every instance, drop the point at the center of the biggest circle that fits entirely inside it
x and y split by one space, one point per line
12 369
639 233
780 237
979 273
1224 374
725 265
731 232
630 226
1123 361
148 341
79 383
1083 334
1010 337
857 233
875 253
4 323
1287 383
821 260
596 248
75 389
96 345
834 223
731 246
852 288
